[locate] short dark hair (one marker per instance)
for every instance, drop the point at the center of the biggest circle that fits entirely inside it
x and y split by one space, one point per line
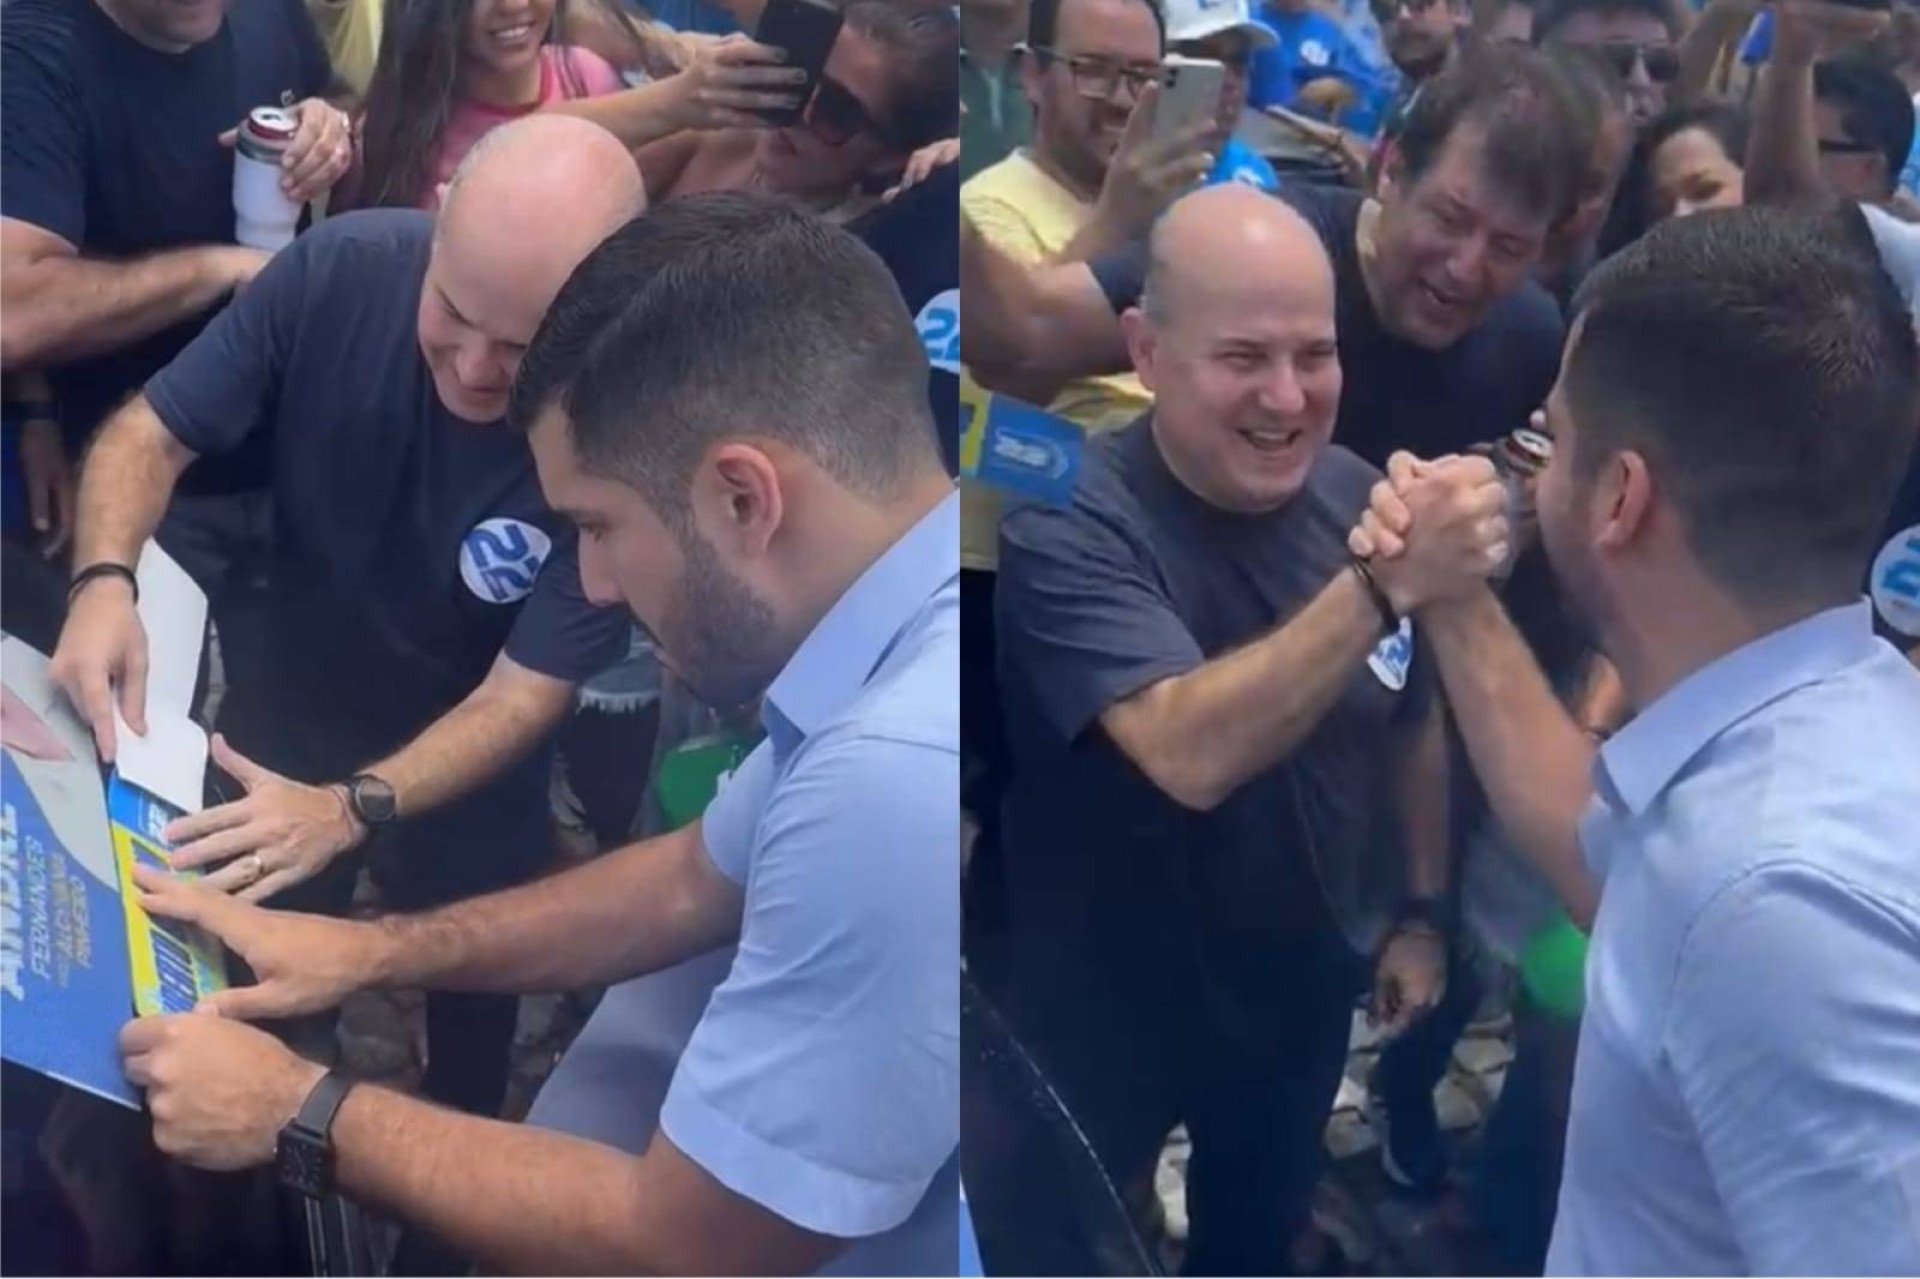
1766 367
723 313
1043 25
1874 108
922 42
1551 15
1539 132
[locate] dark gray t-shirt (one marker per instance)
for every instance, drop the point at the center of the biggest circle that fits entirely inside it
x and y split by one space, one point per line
410 546
1135 581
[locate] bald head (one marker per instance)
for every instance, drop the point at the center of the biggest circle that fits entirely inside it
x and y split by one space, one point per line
1232 240
1235 338
534 197
526 206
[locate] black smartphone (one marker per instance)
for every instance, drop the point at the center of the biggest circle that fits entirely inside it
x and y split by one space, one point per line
1878 6
805 30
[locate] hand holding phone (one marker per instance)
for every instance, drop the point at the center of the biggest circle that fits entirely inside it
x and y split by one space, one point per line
805 31
1154 163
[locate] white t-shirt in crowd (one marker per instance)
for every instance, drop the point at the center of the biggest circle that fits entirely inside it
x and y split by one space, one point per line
1899 245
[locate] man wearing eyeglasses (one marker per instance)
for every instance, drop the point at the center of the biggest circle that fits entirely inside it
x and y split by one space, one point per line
1632 36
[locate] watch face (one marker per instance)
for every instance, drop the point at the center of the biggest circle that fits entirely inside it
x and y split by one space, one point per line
373 800
304 1163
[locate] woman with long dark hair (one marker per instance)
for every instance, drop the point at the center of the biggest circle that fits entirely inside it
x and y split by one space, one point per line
1687 160
450 71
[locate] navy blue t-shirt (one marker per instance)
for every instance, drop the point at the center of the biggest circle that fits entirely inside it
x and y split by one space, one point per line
1893 580
918 237
1394 394
411 545
1139 580
114 148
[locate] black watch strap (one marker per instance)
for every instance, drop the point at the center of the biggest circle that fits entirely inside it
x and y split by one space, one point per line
105 568
305 1154
1389 620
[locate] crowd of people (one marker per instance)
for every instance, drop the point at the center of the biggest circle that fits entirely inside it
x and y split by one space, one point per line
1619 298
576 361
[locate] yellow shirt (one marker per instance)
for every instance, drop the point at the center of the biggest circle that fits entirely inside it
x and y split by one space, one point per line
351 32
1029 217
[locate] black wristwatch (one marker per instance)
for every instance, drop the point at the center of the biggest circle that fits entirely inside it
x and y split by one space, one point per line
371 800
303 1157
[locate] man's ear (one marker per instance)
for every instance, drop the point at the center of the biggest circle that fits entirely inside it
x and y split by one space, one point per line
1142 343
1623 497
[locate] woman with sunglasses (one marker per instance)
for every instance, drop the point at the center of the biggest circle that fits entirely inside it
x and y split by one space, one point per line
890 87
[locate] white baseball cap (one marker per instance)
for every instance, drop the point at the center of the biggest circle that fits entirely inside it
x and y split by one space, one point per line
1198 19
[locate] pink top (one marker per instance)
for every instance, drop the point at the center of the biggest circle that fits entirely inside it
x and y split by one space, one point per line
592 75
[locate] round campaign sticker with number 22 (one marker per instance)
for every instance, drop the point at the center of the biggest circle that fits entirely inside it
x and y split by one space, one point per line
1895 582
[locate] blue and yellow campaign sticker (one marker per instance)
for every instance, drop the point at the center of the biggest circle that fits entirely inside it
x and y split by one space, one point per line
174 966
1017 447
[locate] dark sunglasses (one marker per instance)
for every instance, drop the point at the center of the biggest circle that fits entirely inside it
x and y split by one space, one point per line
1097 77
836 117
1661 61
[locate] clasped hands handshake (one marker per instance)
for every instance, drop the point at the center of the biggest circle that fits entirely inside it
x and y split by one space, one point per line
1433 531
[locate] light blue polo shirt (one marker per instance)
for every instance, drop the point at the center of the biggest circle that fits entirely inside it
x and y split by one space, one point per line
1746 1097
821 1075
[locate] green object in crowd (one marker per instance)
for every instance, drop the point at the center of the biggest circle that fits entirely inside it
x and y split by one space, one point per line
1553 969
690 775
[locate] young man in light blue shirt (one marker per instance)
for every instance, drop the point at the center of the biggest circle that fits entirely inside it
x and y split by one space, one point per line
1746 1098
729 399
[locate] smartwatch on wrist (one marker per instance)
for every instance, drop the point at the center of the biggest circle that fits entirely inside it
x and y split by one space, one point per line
371 800
303 1156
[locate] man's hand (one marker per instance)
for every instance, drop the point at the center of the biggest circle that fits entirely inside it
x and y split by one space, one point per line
301 963
319 154
282 833
1409 980
1148 173
1434 530
50 483
921 165
1327 96
726 81
219 1091
1808 31
103 651
321 151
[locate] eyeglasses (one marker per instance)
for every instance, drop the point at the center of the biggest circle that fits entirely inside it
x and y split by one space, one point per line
1099 77
836 117
1661 61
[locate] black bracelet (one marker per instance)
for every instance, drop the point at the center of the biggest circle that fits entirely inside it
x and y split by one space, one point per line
103 569
1389 619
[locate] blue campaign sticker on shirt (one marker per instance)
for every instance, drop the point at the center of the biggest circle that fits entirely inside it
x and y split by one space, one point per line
500 558
1028 451
1895 582
939 325
1392 657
